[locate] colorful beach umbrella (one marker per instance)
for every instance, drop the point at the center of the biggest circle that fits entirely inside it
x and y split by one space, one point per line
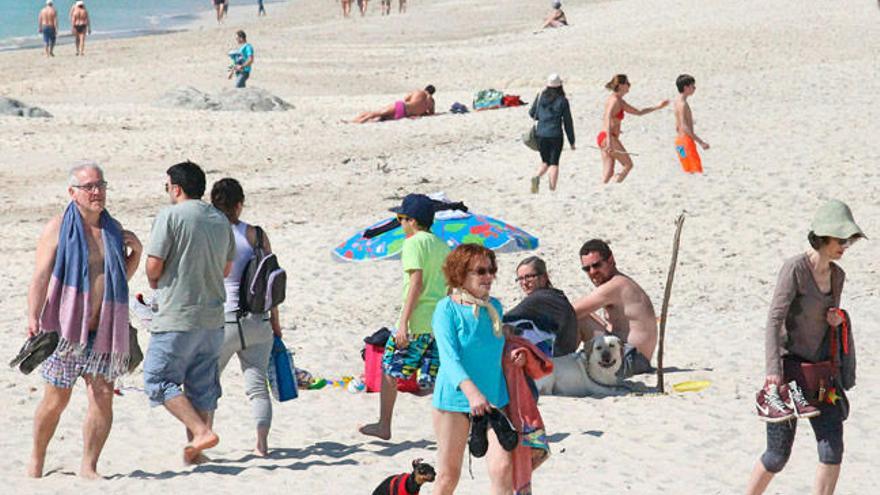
467 228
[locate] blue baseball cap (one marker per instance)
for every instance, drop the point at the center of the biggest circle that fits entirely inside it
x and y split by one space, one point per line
417 206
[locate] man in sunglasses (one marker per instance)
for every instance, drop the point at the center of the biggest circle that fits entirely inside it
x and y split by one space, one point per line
629 313
413 347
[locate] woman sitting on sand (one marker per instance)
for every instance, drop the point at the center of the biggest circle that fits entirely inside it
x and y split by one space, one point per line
608 139
249 336
467 326
804 331
545 306
556 17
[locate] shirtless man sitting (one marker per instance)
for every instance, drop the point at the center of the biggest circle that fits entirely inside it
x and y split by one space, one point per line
629 313
416 104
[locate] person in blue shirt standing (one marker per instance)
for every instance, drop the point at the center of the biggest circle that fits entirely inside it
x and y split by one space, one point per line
470 382
245 60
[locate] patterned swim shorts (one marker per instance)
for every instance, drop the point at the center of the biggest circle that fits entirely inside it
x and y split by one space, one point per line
421 355
62 371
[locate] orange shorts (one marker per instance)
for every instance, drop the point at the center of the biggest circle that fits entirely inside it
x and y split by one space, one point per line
686 149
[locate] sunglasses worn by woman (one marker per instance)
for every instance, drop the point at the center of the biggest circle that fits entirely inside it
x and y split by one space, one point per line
804 319
467 326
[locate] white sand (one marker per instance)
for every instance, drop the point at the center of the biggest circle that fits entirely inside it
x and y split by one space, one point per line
787 97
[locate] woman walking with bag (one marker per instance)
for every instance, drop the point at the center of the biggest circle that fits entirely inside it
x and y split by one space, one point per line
250 336
808 342
552 112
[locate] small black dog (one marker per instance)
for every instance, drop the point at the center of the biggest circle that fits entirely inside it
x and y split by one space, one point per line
407 483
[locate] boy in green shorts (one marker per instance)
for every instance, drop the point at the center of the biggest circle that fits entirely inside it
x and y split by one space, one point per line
413 347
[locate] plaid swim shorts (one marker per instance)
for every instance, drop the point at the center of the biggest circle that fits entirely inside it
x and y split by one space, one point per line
62 371
421 355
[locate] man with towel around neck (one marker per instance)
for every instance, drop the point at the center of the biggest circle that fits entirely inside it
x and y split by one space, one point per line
80 290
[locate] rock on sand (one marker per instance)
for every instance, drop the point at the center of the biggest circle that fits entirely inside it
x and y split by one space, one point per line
234 99
15 108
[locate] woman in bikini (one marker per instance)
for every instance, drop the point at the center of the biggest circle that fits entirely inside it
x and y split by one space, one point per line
608 139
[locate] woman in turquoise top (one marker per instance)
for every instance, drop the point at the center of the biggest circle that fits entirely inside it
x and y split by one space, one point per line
467 327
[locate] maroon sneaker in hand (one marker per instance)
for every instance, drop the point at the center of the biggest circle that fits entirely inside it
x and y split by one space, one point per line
793 398
770 406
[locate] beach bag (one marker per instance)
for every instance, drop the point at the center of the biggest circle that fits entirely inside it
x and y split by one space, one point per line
458 108
530 137
282 380
817 379
374 350
814 379
511 101
263 282
488 99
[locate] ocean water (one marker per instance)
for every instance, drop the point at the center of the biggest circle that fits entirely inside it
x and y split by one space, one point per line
110 18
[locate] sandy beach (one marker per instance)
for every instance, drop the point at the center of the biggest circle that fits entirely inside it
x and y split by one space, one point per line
787 96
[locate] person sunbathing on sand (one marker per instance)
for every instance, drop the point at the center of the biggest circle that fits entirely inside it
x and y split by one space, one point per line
556 17
415 104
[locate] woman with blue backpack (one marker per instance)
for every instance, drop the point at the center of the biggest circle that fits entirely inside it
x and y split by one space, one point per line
248 334
553 114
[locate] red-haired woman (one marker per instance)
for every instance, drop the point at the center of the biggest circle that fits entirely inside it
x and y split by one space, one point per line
468 329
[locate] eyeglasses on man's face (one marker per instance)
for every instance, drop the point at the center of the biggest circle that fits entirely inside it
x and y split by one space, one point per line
92 187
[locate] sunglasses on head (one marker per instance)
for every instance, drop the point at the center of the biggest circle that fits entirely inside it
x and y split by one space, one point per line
483 271
590 267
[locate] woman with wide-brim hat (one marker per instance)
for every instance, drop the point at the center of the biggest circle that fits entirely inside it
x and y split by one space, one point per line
551 110
805 328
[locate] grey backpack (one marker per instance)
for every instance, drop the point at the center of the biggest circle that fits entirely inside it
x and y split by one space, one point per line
263 282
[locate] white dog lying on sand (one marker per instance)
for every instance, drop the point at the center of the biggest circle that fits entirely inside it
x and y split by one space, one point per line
591 371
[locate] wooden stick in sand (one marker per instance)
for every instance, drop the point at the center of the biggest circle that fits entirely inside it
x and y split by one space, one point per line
617 152
679 223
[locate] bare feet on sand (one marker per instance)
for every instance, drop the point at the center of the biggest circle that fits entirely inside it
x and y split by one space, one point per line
377 430
199 459
194 449
35 468
89 474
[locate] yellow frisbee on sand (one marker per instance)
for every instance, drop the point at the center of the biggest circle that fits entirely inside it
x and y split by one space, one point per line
691 386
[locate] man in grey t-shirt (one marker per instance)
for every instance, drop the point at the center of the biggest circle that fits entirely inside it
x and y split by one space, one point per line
190 251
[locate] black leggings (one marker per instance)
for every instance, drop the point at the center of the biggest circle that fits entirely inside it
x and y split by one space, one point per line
828 428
